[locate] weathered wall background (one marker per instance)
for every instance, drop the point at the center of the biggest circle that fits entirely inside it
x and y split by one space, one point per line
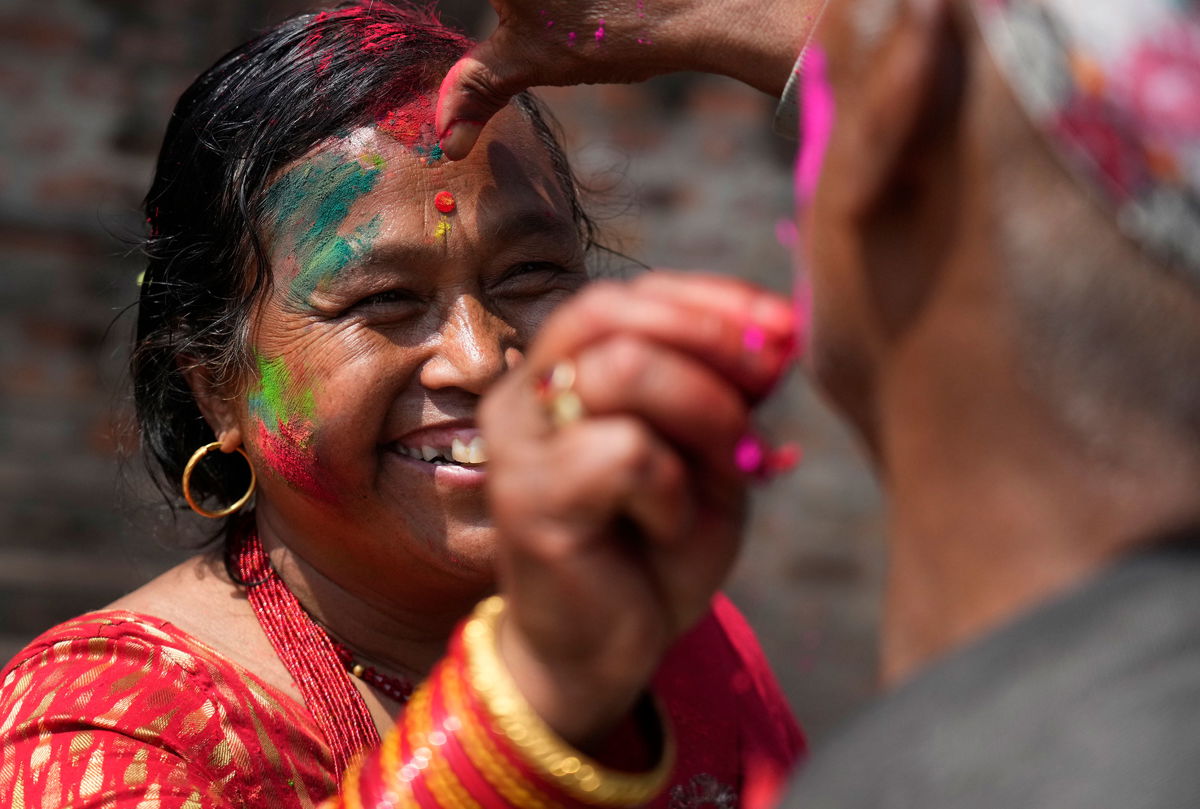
694 179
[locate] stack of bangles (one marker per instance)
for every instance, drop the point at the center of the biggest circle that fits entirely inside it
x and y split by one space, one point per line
469 740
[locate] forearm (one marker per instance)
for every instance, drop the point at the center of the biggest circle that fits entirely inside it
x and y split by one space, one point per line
754 41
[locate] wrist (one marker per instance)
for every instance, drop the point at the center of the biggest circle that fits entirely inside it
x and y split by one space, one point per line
582 701
755 42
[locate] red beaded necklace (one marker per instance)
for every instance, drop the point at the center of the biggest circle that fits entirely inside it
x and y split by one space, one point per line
394 687
317 663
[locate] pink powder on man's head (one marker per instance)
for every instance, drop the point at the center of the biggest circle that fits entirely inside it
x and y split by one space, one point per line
817 115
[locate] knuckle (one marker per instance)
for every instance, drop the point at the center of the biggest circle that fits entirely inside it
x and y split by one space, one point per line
624 362
487 88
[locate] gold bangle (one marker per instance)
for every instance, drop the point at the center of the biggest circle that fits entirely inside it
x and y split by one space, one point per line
395 789
427 758
483 755
572 771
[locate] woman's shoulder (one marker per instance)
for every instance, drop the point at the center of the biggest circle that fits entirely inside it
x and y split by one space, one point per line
97 635
115 651
129 690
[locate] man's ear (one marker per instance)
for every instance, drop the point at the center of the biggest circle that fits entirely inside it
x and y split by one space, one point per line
909 122
217 404
911 86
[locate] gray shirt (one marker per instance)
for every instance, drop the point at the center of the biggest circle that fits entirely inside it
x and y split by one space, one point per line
1091 701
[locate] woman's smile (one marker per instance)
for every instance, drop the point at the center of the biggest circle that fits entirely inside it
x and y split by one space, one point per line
453 452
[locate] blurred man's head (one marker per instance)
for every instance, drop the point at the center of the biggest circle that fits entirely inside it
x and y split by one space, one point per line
1093 261
1006 270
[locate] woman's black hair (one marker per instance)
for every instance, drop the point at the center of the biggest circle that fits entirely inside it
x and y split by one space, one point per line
260 107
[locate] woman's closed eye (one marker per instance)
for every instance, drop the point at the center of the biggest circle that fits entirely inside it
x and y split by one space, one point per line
389 301
530 278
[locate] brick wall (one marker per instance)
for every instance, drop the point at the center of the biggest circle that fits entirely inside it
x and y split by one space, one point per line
691 176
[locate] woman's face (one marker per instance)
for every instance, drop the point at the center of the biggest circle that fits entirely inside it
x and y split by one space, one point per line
403 286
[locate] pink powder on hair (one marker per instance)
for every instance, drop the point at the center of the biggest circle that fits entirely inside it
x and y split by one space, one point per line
382 36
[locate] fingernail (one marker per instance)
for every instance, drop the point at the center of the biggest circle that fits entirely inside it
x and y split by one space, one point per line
458 138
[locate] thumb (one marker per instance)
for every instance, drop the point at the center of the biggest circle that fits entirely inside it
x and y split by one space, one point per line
471 93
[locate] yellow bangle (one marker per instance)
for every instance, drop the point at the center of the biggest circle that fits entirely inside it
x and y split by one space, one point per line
484 756
572 771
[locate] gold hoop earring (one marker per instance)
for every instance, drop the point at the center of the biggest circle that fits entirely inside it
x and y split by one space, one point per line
187 482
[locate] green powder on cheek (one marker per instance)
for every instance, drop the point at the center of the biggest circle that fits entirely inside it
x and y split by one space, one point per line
312 201
275 401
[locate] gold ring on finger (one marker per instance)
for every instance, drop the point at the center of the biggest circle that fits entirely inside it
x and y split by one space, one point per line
557 391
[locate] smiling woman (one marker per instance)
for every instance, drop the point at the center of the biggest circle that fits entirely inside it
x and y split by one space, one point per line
330 298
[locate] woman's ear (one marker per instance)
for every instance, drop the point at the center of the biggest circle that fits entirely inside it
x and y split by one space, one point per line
217 403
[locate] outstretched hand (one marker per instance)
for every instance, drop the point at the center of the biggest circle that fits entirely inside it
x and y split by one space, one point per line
562 42
618 528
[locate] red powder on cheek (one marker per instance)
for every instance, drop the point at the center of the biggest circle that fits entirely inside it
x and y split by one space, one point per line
287 453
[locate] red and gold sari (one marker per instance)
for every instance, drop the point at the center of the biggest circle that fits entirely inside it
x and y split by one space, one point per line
121 710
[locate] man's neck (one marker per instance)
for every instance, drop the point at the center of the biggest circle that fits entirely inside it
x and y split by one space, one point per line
994 507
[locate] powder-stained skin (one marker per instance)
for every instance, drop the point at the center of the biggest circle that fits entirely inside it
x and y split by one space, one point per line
312 201
286 416
412 124
276 400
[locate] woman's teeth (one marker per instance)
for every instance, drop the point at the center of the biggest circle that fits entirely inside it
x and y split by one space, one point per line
459 451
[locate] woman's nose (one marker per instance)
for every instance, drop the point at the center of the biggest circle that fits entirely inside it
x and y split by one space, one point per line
474 347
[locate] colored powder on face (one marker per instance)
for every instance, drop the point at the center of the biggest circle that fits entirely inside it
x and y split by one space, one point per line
600 31
315 199
571 38
816 123
288 453
442 231
412 124
405 123
432 155
276 399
